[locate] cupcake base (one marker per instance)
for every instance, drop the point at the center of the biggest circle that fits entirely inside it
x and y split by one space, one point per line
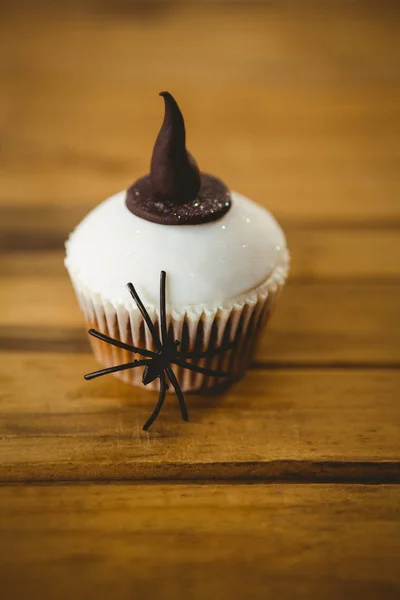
198 330
240 330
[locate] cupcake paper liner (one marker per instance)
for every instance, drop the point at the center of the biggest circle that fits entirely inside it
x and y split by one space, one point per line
198 329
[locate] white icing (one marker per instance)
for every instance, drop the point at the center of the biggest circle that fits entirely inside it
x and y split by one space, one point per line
205 264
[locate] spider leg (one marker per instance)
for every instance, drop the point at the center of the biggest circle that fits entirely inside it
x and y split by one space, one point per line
118 344
160 402
207 353
197 369
163 308
146 316
131 365
177 388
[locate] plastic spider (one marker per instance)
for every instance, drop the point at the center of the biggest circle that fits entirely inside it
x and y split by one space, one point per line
158 364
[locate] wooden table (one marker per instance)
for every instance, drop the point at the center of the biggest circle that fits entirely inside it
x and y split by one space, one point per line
287 485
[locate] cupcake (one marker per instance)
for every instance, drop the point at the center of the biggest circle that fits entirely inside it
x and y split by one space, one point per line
222 257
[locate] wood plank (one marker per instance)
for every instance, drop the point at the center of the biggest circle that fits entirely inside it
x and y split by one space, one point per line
327 323
320 140
197 541
354 254
334 323
285 424
318 254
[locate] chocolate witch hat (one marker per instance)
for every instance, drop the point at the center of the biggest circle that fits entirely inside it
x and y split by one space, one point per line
176 192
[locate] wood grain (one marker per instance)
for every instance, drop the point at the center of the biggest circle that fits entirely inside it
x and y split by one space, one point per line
192 542
294 425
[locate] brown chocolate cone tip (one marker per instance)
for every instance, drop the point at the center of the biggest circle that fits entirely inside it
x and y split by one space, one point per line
175 192
174 173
